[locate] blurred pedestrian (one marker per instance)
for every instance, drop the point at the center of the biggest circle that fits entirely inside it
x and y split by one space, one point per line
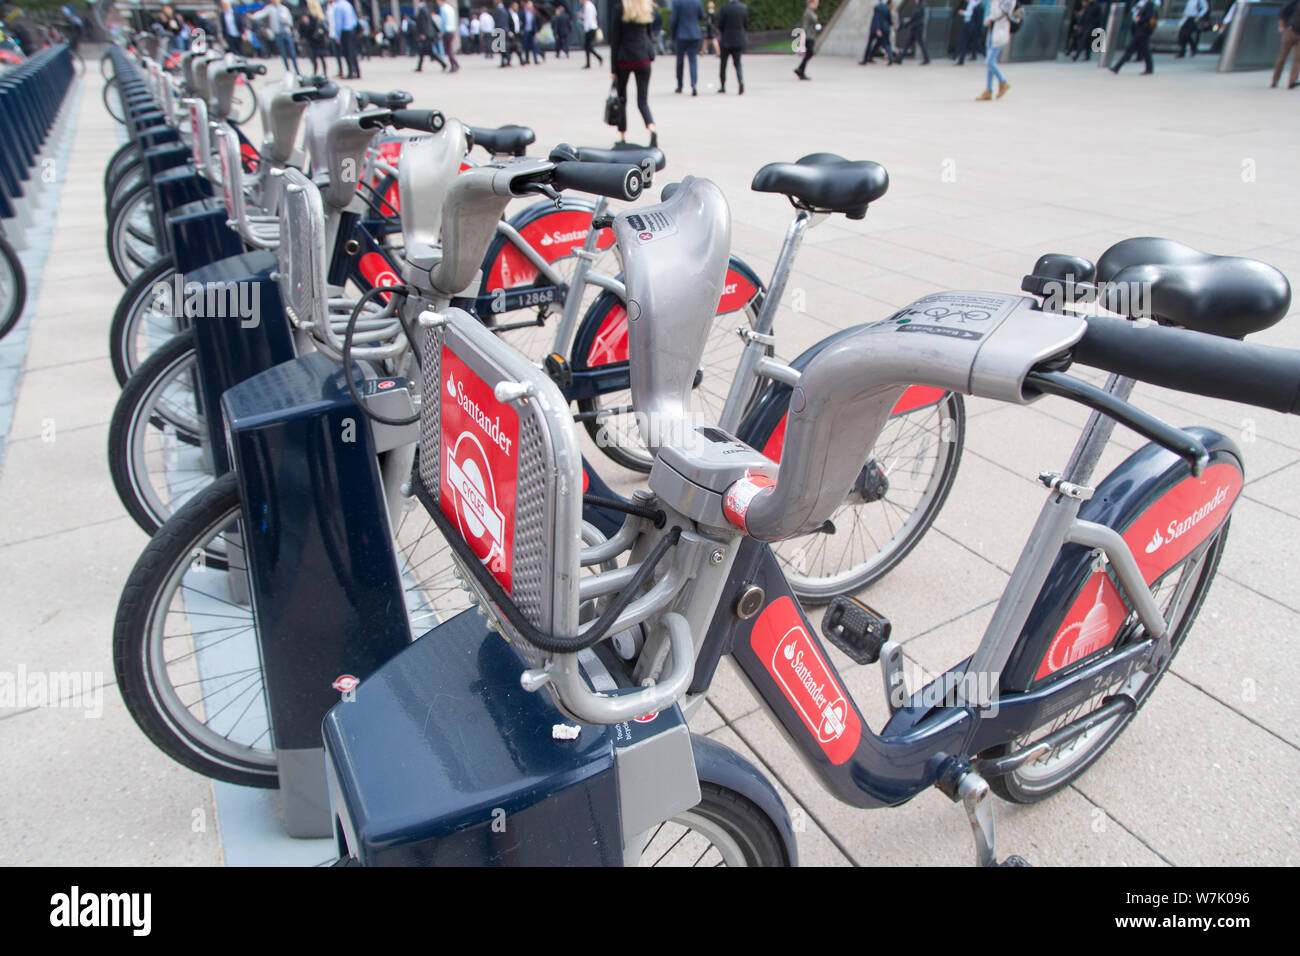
915 27
279 21
1145 18
631 51
684 27
590 25
450 32
733 18
999 24
808 30
561 24
878 35
1089 24
530 24
1288 24
425 29
343 26
1189 34
710 25
972 31
315 36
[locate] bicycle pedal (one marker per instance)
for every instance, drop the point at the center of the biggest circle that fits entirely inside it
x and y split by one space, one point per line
1015 860
557 367
855 629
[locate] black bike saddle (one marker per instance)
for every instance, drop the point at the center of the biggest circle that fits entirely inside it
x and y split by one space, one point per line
824 182
1178 285
504 140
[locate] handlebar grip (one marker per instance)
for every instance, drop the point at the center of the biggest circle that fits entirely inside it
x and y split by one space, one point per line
428 121
1194 362
248 69
324 92
392 100
316 79
602 179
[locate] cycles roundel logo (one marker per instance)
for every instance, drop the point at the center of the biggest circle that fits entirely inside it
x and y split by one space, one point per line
479 470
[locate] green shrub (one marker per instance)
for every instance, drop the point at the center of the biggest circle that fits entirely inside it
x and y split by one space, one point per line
785 14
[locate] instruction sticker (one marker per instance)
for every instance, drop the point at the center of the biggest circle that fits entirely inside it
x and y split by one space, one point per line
650 226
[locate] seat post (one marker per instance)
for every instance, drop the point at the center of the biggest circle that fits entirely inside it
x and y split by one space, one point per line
743 384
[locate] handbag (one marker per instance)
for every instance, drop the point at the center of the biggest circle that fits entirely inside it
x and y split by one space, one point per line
1016 19
615 108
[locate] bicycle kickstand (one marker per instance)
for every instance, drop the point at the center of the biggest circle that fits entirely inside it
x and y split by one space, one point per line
960 783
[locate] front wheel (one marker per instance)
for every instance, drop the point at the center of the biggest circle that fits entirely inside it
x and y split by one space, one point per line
145 318
132 244
155 450
1179 594
13 288
723 829
896 497
185 646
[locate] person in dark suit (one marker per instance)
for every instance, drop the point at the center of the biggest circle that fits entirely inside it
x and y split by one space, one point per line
424 32
561 25
233 25
969 44
732 20
684 28
1089 23
915 28
878 36
1145 17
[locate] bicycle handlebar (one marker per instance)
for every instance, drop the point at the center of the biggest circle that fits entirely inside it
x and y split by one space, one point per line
313 94
248 69
392 100
1194 362
602 179
427 121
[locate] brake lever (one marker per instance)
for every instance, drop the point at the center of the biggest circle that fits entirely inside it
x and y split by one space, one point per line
545 189
1180 442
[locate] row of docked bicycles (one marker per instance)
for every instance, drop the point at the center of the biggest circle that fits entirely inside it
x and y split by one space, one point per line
364 410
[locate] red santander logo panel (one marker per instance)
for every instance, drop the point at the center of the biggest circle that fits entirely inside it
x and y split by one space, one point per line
799 669
479 474
1183 518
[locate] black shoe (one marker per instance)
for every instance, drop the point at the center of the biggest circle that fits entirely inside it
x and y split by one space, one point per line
1115 70
678 90
797 73
742 90
654 139
694 91
1292 86
1147 72
722 89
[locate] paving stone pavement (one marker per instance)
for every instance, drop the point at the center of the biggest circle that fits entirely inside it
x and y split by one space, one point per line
1071 160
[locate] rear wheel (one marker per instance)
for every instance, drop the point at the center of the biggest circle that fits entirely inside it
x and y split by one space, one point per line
723 829
1179 594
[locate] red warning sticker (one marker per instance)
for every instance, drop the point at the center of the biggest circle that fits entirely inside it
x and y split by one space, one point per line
799 669
480 438
741 495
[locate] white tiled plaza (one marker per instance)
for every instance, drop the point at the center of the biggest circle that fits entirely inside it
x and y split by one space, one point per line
1071 160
